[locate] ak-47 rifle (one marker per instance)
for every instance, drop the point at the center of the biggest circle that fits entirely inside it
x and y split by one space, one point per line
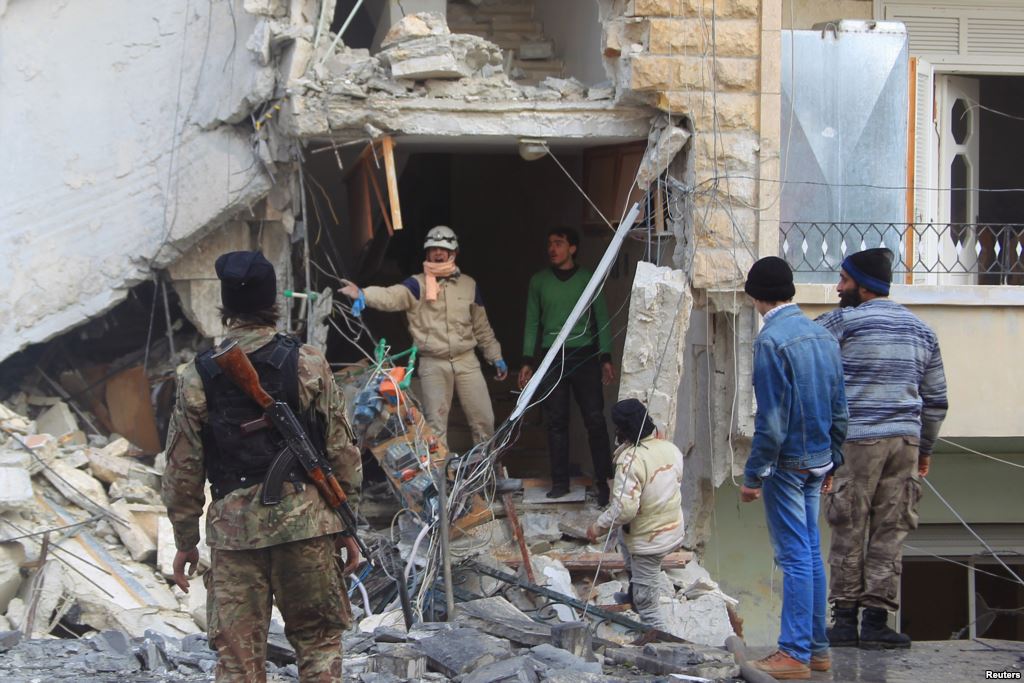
236 365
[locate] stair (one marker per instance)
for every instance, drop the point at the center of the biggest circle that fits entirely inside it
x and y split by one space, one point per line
510 24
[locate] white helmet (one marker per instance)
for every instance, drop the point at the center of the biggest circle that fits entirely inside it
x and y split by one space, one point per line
442 236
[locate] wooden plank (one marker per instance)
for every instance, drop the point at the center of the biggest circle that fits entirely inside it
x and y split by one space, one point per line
609 561
388 152
131 412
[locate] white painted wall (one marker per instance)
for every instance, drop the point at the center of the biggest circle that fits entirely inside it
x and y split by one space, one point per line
102 161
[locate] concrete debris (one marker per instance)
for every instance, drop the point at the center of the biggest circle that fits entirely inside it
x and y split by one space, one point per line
704 620
541 527
133 491
555 659
140 545
553 574
57 420
15 482
566 87
462 650
77 486
413 26
521 669
11 557
669 142
453 56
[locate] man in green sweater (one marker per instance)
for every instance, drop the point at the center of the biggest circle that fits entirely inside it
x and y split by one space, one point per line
584 366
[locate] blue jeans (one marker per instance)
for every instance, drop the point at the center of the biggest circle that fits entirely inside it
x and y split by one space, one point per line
791 502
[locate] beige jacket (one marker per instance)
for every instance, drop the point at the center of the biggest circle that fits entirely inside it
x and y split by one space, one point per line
646 500
446 328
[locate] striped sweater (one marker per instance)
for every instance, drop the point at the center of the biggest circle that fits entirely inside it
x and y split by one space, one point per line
895 383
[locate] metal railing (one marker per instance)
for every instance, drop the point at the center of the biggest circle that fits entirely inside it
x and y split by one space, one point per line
925 253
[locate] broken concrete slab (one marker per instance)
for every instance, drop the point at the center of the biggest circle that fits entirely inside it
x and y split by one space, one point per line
574 637
540 527
553 658
670 141
462 650
498 617
455 56
659 315
417 25
57 420
133 492
140 546
520 669
566 87
77 486
148 518
401 660
553 575
15 482
704 620
106 467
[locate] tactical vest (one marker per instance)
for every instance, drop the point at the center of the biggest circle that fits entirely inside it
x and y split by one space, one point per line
234 460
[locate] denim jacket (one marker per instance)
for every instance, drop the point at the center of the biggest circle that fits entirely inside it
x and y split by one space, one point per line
801 402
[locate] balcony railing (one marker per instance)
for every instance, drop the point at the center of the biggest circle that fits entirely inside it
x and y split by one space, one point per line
925 253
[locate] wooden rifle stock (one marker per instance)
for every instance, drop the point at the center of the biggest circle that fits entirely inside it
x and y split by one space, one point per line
236 365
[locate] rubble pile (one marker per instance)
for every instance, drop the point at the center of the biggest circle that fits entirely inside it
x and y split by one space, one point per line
421 57
86 551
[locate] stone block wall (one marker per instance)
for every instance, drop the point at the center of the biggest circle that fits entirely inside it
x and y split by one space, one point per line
718 64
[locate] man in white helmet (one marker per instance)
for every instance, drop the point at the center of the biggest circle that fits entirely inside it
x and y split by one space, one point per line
447 320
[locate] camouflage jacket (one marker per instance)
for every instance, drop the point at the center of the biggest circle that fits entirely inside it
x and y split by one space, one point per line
239 521
646 499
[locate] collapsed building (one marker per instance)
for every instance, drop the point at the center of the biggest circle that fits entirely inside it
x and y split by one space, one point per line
332 135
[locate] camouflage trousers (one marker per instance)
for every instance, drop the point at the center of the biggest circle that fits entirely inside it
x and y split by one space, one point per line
872 508
306 581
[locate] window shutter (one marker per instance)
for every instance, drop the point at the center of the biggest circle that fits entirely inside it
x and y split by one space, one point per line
924 135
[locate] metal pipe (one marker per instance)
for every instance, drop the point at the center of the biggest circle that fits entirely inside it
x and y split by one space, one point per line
582 304
446 557
341 32
748 671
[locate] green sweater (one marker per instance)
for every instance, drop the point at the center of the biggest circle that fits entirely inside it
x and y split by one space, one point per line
548 305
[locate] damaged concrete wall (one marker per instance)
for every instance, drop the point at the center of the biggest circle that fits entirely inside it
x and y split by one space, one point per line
663 53
116 157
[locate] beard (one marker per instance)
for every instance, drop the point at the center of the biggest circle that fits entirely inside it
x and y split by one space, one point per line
850 299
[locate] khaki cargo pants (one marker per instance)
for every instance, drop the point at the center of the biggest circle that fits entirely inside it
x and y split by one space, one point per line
439 378
872 507
307 583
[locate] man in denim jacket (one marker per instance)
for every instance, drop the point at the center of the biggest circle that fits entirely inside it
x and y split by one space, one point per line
798 435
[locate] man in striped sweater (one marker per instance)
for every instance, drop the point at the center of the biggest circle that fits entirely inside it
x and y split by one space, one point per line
896 391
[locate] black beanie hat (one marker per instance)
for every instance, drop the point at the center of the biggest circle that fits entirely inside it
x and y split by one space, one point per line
871 269
631 419
247 281
770 279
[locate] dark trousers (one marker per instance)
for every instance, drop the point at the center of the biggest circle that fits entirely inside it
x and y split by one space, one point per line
581 375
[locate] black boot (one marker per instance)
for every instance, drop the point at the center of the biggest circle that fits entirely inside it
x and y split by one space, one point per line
603 494
843 632
875 634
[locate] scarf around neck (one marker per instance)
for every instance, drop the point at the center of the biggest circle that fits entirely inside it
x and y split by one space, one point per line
432 271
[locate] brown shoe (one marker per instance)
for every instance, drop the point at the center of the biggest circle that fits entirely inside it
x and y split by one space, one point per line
821 662
781 666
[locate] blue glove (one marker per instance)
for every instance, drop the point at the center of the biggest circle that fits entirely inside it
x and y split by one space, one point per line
501 366
359 304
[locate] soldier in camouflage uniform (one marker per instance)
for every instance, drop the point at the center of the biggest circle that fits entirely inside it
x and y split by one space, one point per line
286 551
